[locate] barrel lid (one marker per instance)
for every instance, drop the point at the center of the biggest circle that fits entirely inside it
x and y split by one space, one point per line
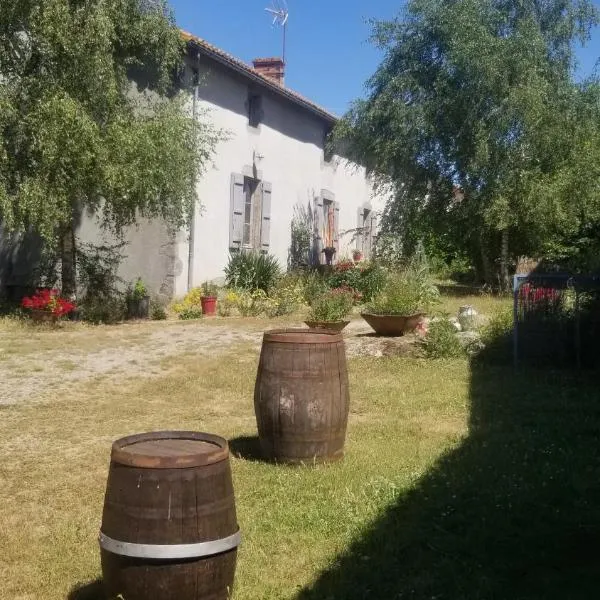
169 450
302 336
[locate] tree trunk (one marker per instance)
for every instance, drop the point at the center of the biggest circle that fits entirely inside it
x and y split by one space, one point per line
504 274
67 255
486 265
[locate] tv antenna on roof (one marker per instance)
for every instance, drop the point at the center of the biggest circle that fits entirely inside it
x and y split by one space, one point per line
280 13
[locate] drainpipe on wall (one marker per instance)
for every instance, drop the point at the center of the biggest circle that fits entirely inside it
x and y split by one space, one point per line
192 233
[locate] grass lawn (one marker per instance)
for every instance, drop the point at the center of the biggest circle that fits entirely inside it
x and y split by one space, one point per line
459 482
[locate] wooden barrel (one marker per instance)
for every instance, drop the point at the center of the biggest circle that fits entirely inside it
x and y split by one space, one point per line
169 527
301 396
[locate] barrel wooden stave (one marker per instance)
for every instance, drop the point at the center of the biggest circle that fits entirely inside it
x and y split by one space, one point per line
206 579
169 506
302 397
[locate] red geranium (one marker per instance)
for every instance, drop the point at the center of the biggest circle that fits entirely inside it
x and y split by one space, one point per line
344 265
48 301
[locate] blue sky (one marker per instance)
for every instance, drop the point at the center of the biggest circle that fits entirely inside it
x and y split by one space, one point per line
328 53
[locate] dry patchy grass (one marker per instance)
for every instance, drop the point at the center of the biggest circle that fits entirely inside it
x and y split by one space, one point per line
294 520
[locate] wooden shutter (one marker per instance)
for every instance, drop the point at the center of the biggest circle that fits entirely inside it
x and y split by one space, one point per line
265 229
372 232
237 201
360 236
319 224
336 229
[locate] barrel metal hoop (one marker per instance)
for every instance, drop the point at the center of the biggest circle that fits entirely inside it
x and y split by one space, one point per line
170 551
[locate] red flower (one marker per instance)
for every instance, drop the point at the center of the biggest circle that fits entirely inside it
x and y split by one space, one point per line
49 301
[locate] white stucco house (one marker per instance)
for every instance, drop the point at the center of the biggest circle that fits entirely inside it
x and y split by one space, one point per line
273 159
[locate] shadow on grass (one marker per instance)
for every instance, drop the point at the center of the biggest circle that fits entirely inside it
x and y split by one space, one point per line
513 513
88 591
247 447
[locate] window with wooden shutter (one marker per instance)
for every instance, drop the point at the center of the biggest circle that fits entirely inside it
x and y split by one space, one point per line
237 209
250 227
319 224
327 219
265 230
366 230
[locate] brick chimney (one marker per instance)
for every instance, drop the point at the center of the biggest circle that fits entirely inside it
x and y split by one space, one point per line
272 68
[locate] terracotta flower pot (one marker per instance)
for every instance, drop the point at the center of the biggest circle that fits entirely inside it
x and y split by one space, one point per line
330 325
209 306
392 325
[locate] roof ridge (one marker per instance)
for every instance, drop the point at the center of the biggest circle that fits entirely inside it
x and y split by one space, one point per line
257 75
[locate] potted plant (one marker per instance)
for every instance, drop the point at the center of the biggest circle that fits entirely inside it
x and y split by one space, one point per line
402 304
138 301
357 255
47 305
209 299
329 311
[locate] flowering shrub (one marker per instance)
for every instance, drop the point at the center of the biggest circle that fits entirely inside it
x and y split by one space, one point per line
538 295
251 304
227 303
48 301
365 278
285 298
332 306
192 300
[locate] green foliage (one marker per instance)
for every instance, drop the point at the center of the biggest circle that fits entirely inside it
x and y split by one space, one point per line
157 311
497 338
252 271
102 300
482 95
191 301
500 326
286 297
188 313
366 278
315 284
301 237
251 303
76 132
138 291
442 341
333 306
406 292
209 290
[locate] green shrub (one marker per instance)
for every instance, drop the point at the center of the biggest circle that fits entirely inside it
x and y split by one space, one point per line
103 309
209 290
286 297
332 306
137 291
442 341
500 326
252 271
190 312
191 301
405 293
102 301
496 338
157 311
368 279
315 285
251 303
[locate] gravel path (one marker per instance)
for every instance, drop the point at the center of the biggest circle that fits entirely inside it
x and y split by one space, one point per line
34 373
33 364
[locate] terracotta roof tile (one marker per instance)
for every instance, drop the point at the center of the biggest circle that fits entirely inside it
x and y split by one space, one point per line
252 73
